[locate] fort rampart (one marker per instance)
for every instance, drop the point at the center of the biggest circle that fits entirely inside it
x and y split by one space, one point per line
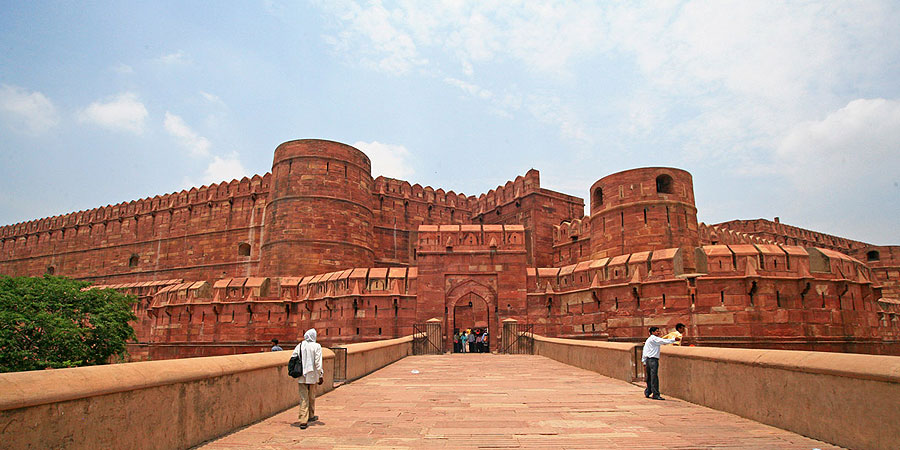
319 243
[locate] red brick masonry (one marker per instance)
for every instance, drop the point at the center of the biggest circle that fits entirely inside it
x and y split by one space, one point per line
318 242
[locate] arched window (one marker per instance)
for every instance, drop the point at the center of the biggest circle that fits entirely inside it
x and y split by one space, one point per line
243 249
664 184
133 261
873 256
598 197
51 270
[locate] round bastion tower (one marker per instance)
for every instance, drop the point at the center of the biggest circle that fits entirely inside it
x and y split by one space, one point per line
643 209
319 215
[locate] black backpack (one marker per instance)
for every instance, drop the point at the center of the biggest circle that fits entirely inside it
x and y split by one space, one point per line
295 366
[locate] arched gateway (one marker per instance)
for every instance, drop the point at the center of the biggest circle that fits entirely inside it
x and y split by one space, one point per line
481 265
471 304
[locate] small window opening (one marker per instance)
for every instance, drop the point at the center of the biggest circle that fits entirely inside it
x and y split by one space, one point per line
51 270
664 301
664 184
244 249
722 297
133 261
778 299
873 256
645 216
598 197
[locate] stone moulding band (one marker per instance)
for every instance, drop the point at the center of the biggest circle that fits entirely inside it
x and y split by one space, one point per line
319 241
690 207
330 158
317 197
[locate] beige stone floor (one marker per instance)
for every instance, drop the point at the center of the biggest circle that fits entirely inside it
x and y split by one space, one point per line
504 401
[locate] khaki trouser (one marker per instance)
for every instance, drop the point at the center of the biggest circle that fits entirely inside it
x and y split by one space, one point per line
307 401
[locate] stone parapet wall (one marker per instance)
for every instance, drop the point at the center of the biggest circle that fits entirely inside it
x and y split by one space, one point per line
611 359
846 399
365 358
146 405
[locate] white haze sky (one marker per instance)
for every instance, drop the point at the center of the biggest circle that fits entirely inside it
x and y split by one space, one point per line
787 109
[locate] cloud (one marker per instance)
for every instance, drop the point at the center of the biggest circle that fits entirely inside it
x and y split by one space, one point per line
173 58
719 80
123 69
224 169
387 159
470 88
854 148
370 35
122 113
211 98
30 112
196 144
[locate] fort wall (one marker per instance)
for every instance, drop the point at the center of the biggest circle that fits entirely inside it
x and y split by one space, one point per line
319 243
400 208
524 202
201 233
643 209
780 233
319 215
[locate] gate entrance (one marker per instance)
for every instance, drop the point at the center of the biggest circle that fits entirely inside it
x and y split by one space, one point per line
470 312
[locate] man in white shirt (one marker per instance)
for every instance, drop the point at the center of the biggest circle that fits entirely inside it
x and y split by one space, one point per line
311 354
650 358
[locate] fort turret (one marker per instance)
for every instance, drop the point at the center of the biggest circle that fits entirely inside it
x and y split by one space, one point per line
319 214
644 209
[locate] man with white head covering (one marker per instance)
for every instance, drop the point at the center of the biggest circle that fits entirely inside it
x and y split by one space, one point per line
311 354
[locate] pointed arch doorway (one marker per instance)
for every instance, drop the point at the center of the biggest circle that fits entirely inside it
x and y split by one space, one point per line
471 305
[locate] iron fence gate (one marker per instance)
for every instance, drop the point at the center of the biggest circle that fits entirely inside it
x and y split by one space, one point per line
427 339
518 339
340 364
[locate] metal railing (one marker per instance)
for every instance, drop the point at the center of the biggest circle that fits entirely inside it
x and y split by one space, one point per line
425 344
518 339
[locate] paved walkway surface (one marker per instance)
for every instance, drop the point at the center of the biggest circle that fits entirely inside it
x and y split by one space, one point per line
504 401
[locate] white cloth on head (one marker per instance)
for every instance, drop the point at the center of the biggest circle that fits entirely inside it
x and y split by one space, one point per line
310 354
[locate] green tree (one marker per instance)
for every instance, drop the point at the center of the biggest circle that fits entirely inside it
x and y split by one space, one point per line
53 322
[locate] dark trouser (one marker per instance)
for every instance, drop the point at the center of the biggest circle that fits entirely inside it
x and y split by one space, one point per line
651 372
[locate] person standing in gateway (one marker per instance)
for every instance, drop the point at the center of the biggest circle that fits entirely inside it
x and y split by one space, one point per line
311 354
650 358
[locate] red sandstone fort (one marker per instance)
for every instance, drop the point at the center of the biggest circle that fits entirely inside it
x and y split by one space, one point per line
319 243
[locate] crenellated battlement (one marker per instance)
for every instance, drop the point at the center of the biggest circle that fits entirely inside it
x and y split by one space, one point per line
777 232
393 187
508 193
572 230
717 234
317 242
187 198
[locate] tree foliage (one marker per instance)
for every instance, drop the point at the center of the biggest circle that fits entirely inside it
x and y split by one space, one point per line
52 322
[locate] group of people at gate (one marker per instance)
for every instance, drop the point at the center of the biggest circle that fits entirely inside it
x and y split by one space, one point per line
471 341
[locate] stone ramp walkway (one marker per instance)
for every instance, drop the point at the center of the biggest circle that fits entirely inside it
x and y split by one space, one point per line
504 401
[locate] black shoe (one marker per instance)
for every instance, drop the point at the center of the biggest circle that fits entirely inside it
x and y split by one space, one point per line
303 426
646 395
313 418
656 397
